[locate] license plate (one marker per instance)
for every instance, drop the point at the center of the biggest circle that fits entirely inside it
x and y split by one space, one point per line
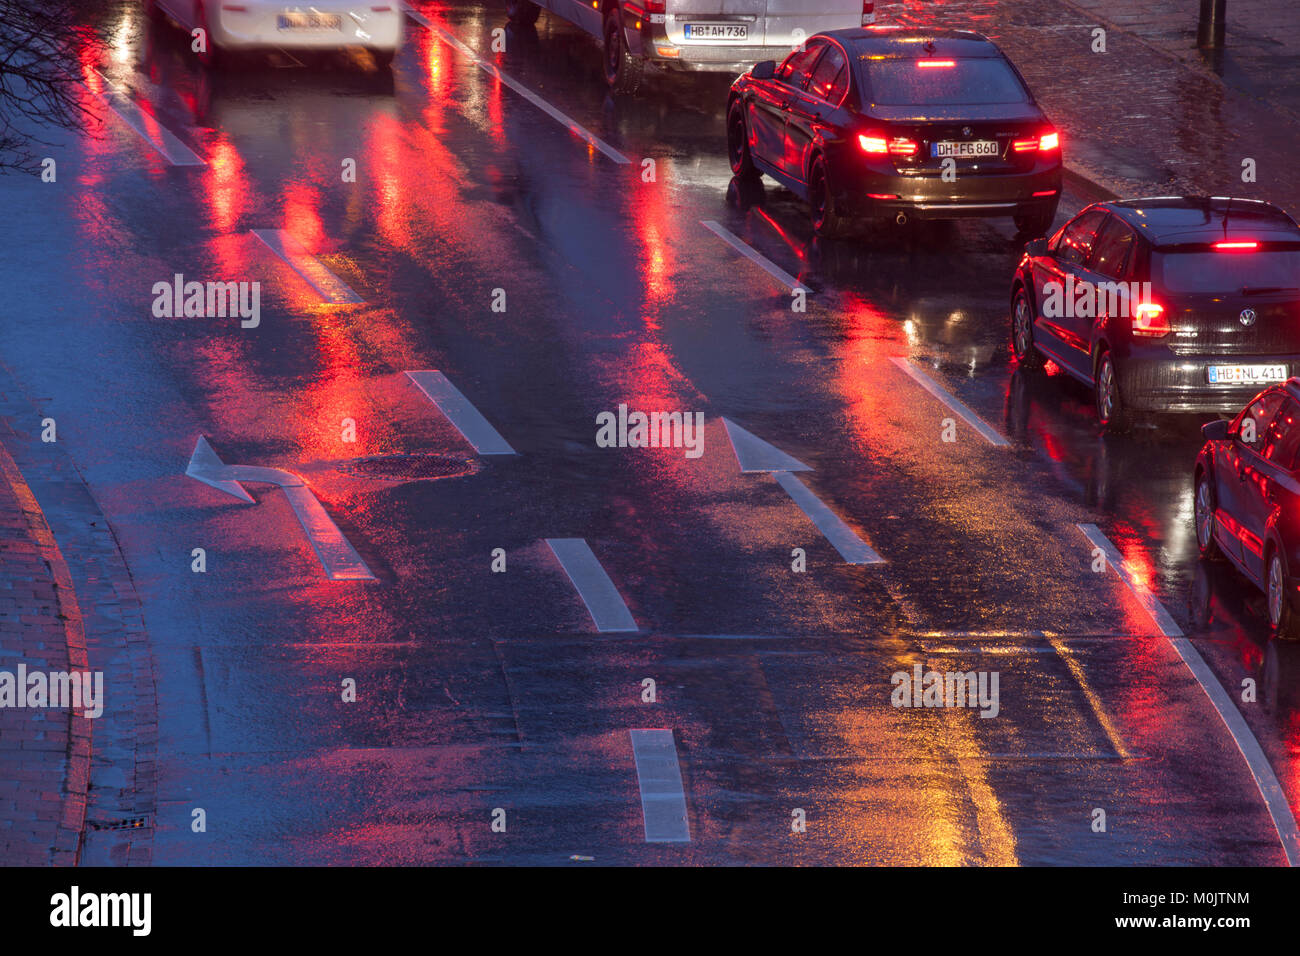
1246 374
310 21
965 149
717 31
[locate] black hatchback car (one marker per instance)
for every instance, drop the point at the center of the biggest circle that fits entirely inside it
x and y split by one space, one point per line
1247 483
882 123
1173 304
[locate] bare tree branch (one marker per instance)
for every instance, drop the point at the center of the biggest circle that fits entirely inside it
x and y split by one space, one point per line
40 73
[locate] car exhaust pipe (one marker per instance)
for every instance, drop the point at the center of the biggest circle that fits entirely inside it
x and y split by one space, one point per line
901 219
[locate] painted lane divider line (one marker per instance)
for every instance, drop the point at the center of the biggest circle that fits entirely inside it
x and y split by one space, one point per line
1092 697
490 68
1256 761
659 778
754 256
337 556
1150 603
844 539
312 271
756 456
604 603
163 140
461 413
956 406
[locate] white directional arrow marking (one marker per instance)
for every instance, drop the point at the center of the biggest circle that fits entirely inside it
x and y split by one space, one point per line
336 554
756 455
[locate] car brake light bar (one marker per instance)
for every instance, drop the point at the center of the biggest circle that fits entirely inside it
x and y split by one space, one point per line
1149 319
1236 245
932 64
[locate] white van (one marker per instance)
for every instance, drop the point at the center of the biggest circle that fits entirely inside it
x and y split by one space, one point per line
727 36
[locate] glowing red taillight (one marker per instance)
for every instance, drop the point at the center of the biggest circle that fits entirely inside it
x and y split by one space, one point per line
902 147
656 6
868 12
1237 246
1043 143
873 144
1149 319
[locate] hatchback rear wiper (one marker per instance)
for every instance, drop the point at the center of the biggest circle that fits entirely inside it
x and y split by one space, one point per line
1261 289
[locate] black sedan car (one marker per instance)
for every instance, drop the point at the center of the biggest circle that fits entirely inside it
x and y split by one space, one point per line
1247 483
1172 304
883 123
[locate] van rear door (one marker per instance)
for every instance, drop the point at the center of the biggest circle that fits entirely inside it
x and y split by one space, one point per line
716 22
785 17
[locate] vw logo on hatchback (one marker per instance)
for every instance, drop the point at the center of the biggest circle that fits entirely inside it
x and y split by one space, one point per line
1247 317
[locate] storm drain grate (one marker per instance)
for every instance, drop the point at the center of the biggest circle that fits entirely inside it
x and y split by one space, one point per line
133 823
410 467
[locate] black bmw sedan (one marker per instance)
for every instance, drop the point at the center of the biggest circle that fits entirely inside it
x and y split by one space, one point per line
876 124
1170 304
1247 482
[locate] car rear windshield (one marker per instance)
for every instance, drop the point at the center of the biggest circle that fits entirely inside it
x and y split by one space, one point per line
1224 272
913 83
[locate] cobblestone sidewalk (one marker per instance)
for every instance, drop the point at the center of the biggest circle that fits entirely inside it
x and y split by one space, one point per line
44 753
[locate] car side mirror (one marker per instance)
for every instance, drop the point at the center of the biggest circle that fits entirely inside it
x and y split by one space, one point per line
764 70
1217 430
1036 247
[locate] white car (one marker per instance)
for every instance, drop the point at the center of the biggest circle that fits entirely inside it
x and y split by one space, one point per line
275 24
726 36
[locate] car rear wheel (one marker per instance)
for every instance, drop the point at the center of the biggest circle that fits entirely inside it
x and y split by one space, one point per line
1035 224
1281 619
742 162
1110 405
622 70
1205 508
827 222
522 11
1022 332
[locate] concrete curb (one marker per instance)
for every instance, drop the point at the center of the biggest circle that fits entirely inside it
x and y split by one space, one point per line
80 737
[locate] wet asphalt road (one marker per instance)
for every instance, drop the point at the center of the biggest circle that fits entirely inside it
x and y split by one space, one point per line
481 690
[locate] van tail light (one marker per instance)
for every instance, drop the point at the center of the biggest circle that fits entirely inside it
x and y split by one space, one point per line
656 6
868 12
1149 320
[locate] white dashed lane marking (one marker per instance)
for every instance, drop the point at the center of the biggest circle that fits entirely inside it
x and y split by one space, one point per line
336 554
490 68
1260 769
962 412
461 413
604 603
327 285
659 777
771 268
